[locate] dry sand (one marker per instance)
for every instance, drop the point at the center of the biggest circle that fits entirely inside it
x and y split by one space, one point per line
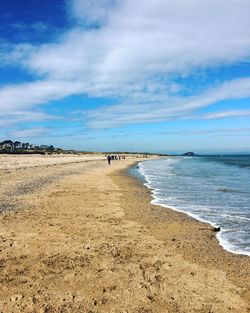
10 162
83 237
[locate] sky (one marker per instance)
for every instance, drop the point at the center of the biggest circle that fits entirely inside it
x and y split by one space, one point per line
165 76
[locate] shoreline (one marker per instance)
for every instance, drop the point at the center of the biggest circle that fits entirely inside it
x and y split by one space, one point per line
91 241
203 245
222 242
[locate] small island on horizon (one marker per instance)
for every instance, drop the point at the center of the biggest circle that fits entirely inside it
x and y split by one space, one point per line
189 154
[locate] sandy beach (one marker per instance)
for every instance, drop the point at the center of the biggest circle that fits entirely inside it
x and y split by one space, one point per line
78 235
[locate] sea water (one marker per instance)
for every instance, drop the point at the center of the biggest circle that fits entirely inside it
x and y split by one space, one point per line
213 189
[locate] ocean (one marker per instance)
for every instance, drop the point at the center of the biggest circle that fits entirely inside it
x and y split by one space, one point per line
212 189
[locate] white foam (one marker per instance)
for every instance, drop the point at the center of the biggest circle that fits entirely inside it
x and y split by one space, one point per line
225 244
230 247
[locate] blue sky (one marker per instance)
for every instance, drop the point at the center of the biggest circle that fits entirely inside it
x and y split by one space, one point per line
163 75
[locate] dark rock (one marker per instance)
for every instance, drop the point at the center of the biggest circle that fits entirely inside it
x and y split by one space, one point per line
216 229
189 154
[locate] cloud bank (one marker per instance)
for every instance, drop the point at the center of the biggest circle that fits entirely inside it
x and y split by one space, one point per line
133 52
174 108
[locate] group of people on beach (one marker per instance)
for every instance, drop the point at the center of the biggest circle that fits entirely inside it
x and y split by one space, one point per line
115 157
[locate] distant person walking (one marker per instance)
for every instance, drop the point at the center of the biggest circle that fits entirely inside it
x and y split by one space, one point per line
109 159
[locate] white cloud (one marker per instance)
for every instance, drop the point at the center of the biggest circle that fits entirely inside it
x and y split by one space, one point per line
215 131
145 38
172 108
92 11
13 55
226 114
37 26
135 46
22 96
18 117
30 133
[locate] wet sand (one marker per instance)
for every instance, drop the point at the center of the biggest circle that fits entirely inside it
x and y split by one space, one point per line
83 237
